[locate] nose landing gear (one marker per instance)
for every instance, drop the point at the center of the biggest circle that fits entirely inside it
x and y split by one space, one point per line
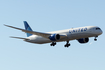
95 38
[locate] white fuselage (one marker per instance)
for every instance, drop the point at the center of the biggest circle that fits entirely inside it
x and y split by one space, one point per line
72 34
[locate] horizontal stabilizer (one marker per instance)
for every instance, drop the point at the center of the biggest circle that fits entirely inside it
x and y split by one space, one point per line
18 37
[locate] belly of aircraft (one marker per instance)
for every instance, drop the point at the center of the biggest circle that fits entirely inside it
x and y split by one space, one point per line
41 40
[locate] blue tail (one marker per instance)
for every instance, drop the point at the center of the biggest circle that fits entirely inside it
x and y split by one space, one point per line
27 27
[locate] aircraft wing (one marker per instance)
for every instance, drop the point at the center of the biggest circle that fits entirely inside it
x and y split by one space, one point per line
45 35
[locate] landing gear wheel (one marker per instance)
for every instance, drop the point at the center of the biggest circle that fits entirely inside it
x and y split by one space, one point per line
95 38
67 44
53 44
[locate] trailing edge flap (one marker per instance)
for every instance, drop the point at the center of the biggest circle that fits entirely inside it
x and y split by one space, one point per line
45 35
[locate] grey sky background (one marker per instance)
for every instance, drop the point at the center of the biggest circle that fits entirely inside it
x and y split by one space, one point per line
46 16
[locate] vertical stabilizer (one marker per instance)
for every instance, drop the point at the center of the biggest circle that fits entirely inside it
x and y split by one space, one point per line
27 27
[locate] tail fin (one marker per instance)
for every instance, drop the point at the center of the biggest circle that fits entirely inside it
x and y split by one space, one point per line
27 27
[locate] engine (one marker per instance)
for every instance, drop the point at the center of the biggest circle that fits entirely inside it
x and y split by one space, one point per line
83 40
54 37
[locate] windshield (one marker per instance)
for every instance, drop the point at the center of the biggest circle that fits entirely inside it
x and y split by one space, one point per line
98 29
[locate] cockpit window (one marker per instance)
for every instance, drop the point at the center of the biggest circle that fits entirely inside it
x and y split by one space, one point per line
97 28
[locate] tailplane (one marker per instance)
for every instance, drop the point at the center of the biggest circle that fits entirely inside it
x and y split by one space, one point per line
27 27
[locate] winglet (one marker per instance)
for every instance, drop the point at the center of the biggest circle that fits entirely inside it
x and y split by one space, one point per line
27 27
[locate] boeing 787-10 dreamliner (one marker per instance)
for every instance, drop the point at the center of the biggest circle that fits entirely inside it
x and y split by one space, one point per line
81 34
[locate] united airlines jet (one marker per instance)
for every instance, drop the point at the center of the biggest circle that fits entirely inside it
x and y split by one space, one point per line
80 34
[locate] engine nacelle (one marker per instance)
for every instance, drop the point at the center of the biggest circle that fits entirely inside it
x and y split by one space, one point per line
54 37
83 40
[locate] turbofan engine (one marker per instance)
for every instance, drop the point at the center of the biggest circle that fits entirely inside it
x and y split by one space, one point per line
54 37
83 40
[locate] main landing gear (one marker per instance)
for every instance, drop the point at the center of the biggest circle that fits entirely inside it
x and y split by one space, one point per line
53 44
95 38
67 44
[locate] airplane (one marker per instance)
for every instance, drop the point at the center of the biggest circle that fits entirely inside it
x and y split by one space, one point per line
81 34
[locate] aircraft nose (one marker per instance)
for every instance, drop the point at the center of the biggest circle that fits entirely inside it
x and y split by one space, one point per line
100 32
